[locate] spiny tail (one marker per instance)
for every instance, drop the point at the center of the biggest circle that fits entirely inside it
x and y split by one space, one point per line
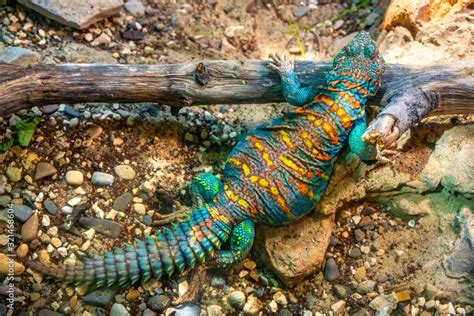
178 247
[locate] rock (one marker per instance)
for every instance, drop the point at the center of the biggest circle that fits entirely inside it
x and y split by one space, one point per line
102 226
250 265
301 10
5 265
280 298
19 56
122 202
78 14
355 252
384 304
29 229
412 14
253 306
135 8
5 290
22 250
74 177
341 291
365 287
214 310
44 169
403 296
451 163
159 303
331 271
22 212
101 297
360 274
118 310
48 312
14 173
50 207
296 250
133 35
461 261
229 32
139 208
102 178
187 309
69 110
5 200
236 299
338 307
218 282
102 39
66 210
125 172
45 220
4 186
430 291
74 201
49 109
94 131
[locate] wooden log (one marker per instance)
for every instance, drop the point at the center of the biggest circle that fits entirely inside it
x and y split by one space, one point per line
211 82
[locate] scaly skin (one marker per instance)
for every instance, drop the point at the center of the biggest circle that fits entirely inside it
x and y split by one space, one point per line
274 176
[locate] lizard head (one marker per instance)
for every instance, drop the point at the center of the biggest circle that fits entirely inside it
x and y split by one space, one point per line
358 65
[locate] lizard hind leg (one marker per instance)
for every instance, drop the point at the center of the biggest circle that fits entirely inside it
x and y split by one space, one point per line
241 240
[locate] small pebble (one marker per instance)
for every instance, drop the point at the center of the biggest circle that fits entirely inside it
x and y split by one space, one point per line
125 172
29 230
102 178
74 177
236 299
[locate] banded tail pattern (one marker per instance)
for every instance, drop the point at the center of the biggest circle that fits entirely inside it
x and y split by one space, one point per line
175 248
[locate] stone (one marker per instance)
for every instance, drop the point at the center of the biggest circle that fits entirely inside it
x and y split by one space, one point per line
100 297
102 39
18 268
451 163
102 226
461 261
48 312
102 178
44 170
118 310
22 212
280 298
50 207
253 306
301 10
403 296
74 177
365 287
384 304
14 173
29 229
19 56
49 109
341 291
331 271
122 202
133 35
214 310
78 14
22 250
360 274
296 250
159 303
187 309
355 252
125 172
139 208
430 291
4 186
338 307
236 299
66 210
135 8
5 200
74 201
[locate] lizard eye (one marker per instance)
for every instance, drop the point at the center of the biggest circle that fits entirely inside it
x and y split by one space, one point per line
370 51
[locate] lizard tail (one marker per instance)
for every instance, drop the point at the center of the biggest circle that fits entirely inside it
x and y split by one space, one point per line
175 248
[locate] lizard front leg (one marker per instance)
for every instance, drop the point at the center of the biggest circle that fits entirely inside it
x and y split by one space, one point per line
367 151
294 93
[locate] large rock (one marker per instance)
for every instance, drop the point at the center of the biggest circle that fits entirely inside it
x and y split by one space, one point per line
78 14
452 162
296 250
19 56
461 261
413 13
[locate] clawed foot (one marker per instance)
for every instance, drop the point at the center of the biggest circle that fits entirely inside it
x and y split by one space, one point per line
166 219
193 292
383 133
282 65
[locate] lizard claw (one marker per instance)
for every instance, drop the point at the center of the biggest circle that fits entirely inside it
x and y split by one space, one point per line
281 64
382 132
